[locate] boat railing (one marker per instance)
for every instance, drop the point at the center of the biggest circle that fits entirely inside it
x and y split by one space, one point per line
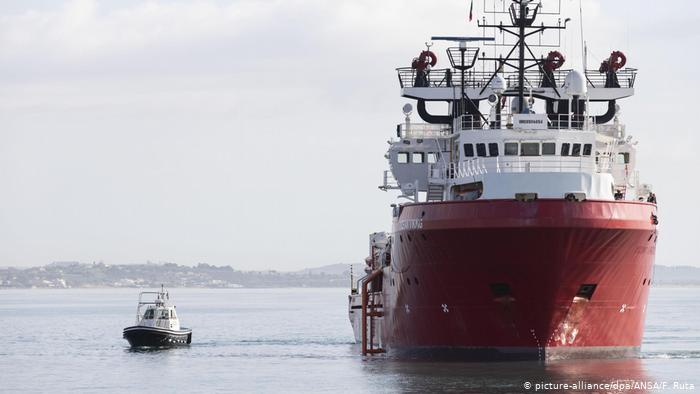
534 79
625 78
554 122
447 77
441 78
389 182
503 165
423 130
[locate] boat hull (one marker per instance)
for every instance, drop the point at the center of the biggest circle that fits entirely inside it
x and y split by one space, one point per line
525 280
141 336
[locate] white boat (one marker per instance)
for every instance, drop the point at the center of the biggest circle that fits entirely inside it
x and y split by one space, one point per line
159 325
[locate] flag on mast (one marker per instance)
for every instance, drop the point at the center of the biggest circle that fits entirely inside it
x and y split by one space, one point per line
471 11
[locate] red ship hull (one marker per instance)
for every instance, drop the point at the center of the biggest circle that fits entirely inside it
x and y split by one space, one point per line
508 278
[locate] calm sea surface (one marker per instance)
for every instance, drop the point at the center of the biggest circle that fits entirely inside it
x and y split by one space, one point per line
291 340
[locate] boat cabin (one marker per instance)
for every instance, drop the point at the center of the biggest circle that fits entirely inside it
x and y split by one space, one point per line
158 312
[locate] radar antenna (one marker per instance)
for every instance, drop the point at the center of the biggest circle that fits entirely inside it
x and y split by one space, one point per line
522 26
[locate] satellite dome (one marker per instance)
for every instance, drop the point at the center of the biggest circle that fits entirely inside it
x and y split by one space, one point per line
575 84
498 84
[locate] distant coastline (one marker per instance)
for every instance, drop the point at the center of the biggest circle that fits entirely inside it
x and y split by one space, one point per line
148 275
98 275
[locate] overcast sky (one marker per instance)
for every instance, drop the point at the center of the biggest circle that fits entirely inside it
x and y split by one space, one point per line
252 133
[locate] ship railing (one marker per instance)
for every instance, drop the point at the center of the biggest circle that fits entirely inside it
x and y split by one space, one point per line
615 130
554 122
624 78
446 77
570 122
480 166
441 78
389 182
471 122
423 130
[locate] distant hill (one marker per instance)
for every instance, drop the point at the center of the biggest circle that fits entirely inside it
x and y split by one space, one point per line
77 275
334 269
679 276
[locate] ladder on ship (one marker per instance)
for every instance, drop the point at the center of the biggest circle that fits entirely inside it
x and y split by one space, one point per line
371 305
435 192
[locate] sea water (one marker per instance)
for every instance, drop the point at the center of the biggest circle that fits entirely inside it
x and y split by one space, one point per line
297 340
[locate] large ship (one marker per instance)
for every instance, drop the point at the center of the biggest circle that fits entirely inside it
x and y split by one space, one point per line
522 229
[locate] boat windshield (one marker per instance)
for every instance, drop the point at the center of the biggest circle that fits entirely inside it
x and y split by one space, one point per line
148 315
164 314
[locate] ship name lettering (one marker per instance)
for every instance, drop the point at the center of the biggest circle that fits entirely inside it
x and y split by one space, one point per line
411 224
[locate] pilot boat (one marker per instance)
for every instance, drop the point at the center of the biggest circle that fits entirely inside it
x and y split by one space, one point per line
158 326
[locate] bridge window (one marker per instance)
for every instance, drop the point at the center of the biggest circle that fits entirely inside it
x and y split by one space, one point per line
481 150
511 148
432 157
402 157
565 149
530 149
493 149
623 157
587 149
576 150
468 150
418 157
549 148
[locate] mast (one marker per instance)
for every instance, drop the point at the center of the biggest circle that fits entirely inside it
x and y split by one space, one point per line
521 57
521 27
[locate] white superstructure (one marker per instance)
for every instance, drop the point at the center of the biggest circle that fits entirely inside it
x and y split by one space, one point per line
556 143
158 313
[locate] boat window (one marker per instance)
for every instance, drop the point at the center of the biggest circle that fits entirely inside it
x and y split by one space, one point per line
468 150
587 149
493 149
565 149
164 314
481 150
511 148
530 149
432 157
418 157
576 150
402 157
549 148
623 157
149 314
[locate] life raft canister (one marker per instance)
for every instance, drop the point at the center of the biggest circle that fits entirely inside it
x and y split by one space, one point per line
554 60
426 58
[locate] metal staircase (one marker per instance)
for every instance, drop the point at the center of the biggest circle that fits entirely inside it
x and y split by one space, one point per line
372 312
435 192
